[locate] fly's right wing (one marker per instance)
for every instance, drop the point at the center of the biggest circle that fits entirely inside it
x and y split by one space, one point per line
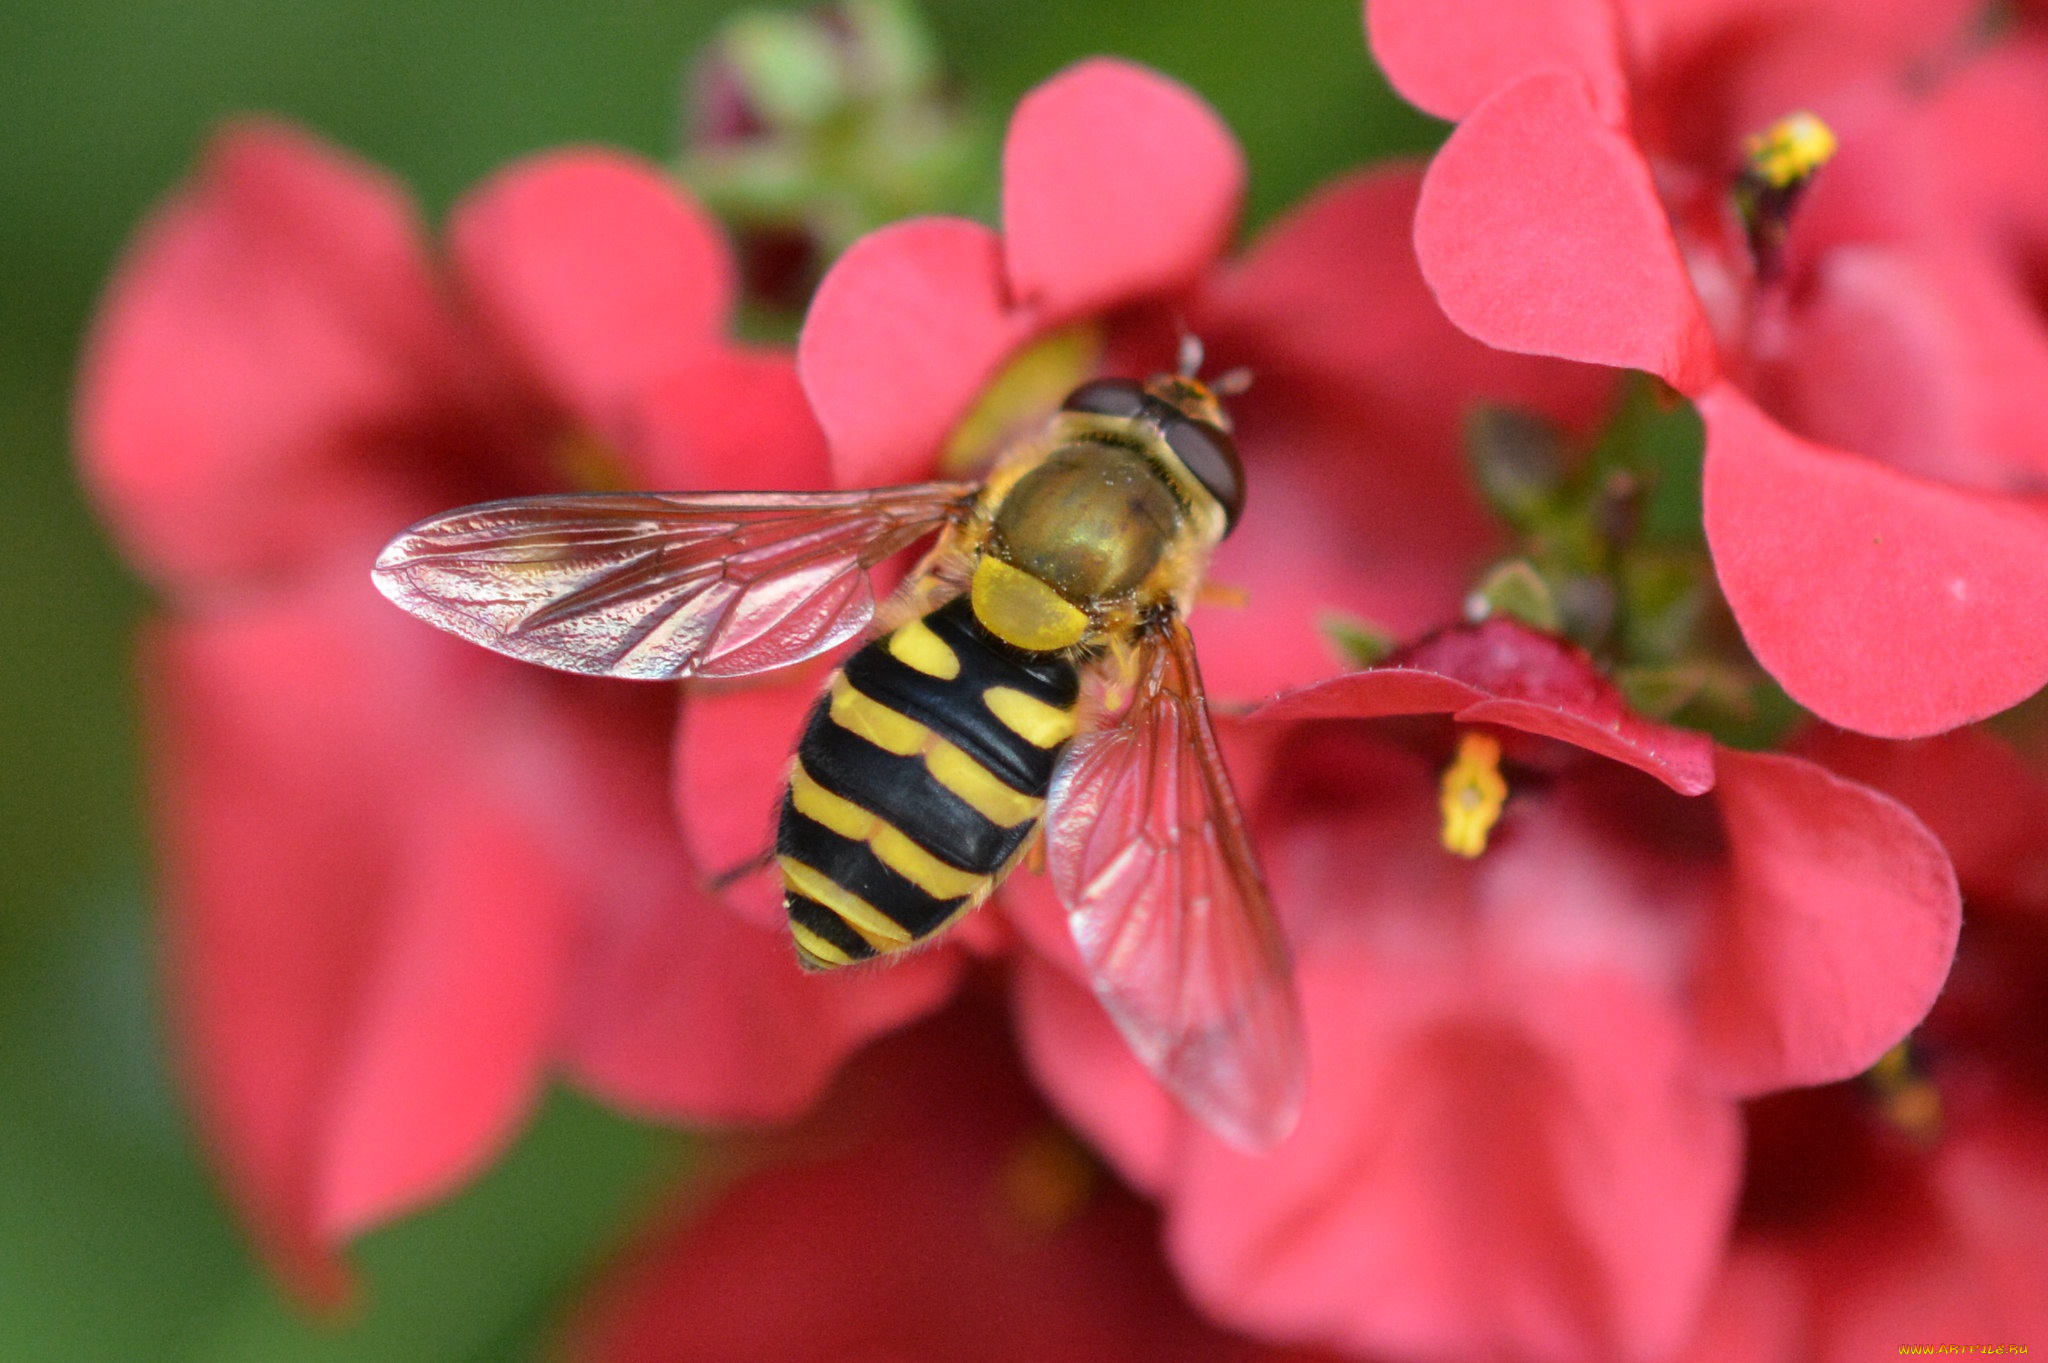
662 585
1146 847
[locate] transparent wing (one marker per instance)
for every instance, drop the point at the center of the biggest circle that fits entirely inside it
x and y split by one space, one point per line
1147 849
659 585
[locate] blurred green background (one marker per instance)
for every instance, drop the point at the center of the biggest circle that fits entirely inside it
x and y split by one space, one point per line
112 1242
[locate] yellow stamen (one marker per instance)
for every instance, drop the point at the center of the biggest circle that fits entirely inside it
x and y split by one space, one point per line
1473 793
588 464
1790 150
1909 1098
1028 386
1048 1178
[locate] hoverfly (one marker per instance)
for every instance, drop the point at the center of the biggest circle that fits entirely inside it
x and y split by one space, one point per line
1033 671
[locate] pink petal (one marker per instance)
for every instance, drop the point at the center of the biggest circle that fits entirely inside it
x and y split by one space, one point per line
364 943
1372 694
1117 183
1333 291
1300 558
1878 360
596 272
1540 230
931 1211
1988 807
1997 305
1351 434
1836 930
1998 178
687 1012
1993 1186
1504 673
268 328
1907 609
728 420
1757 1312
1447 56
1471 1179
906 329
1084 1064
763 1036
1705 72
1504 1154
450 1042
732 755
1969 1266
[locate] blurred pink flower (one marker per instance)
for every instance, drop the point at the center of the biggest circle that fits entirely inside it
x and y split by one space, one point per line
403 878
1913 1208
930 1209
1522 1137
1892 372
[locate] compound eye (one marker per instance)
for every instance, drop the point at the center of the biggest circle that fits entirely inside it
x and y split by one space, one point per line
1108 397
1211 456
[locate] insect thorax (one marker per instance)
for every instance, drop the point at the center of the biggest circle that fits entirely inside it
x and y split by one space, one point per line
1094 530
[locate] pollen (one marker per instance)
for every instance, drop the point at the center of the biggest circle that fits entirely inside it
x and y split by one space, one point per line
1789 151
1473 794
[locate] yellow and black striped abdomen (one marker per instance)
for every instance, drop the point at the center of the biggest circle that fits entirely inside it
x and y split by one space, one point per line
921 774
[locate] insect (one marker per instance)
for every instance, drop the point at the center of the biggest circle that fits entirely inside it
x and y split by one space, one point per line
1033 672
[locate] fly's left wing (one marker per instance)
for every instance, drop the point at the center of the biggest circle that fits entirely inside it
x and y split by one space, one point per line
1146 846
661 585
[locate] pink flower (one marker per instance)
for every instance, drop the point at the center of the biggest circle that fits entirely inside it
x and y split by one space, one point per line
1631 998
404 879
1522 1135
1120 193
932 1209
1911 1207
1875 388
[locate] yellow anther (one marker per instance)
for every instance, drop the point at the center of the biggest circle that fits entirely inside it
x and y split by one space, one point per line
1473 793
1017 399
589 464
1909 1098
1790 150
1048 1178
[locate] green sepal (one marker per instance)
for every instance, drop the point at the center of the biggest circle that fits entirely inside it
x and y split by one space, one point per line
1515 589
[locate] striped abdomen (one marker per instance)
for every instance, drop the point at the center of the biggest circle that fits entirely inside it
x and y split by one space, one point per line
921 775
